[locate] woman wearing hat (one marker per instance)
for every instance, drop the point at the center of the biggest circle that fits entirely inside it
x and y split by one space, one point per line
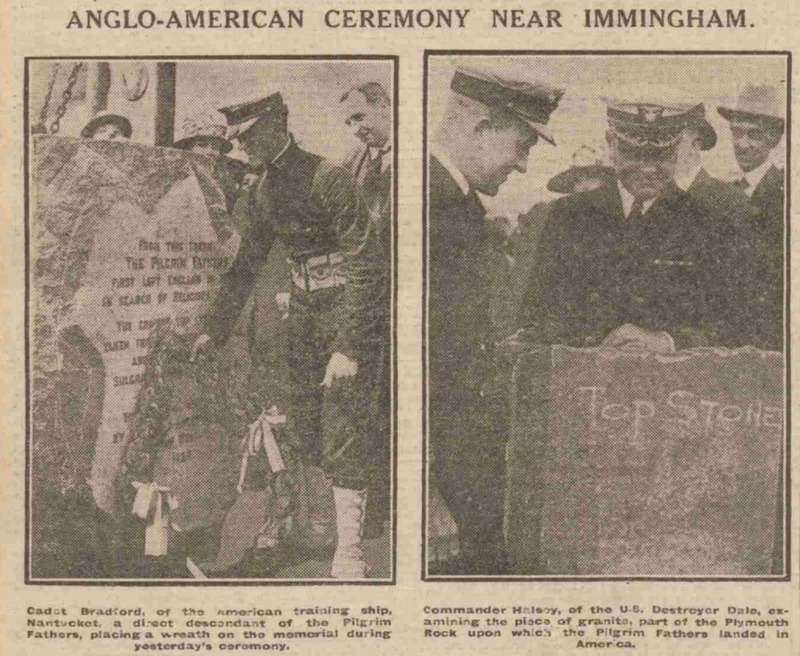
204 133
108 126
587 172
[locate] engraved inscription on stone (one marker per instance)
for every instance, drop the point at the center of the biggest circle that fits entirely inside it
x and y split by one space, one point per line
130 239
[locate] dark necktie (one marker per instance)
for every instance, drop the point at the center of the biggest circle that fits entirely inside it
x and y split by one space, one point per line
373 174
371 184
636 210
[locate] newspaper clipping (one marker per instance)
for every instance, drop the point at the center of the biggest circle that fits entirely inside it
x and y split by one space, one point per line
384 326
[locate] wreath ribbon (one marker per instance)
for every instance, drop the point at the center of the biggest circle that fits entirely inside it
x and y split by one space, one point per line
149 505
260 437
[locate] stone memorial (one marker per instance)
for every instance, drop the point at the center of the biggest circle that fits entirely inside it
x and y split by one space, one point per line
644 465
125 239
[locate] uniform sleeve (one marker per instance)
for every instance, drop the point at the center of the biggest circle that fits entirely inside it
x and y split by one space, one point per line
541 312
525 251
238 281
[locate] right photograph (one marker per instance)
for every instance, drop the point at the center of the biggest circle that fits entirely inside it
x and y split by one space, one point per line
605 333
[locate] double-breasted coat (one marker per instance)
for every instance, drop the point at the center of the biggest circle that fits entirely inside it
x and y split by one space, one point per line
667 271
466 428
311 205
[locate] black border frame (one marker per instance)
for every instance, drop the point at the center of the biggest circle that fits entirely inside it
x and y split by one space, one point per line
29 580
428 53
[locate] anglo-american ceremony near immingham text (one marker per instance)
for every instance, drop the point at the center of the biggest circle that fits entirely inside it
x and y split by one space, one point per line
420 18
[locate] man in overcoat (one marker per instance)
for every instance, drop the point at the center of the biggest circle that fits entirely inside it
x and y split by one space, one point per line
730 205
757 126
716 196
357 422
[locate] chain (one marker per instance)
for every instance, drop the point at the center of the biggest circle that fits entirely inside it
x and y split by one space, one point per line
41 126
66 96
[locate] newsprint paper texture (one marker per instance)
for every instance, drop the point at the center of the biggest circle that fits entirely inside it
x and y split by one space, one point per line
349 327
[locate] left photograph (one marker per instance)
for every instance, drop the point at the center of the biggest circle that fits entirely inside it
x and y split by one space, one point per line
211 294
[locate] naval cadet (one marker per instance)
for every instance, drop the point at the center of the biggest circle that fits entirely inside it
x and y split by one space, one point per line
757 126
638 263
308 203
489 126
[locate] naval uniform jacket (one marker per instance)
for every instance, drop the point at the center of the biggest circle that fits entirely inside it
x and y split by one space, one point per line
467 422
596 271
460 340
302 199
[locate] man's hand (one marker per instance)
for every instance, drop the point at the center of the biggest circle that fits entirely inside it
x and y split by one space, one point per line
200 347
633 338
339 366
282 299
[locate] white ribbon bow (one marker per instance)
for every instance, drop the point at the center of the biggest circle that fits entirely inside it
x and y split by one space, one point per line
156 537
260 436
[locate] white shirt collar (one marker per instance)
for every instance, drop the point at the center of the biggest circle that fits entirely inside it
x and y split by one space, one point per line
755 176
452 169
686 180
628 199
374 151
